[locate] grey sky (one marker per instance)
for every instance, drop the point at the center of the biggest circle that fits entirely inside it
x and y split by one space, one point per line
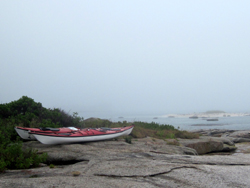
119 57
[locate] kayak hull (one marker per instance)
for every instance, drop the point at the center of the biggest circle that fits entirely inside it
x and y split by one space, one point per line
24 132
75 138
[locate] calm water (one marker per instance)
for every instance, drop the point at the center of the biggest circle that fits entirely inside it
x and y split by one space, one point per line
232 123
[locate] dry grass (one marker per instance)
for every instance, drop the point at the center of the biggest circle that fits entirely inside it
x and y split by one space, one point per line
140 132
143 129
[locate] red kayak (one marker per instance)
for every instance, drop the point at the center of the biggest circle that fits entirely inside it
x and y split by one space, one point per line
83 135
24 132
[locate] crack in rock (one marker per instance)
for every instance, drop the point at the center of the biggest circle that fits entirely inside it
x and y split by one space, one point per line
149 175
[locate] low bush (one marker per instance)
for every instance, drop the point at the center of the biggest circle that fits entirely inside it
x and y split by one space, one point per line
143 129
25 112
13 156
153 126
96 122
128 139
140 132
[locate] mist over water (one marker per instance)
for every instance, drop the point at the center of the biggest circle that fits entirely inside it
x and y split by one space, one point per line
232 123
241 121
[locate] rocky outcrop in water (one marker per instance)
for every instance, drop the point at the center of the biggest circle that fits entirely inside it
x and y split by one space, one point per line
232 135
205 144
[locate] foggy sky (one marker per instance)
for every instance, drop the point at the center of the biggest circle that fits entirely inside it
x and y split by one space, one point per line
123 57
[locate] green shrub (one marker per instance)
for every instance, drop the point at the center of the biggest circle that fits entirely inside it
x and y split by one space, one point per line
128 139
170 135
26 112
153 126
12 156
2 165
160 134
140 132
165 134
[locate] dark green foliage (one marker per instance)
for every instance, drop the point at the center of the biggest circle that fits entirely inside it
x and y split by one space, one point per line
52 166
26 112
77 120
24 108
13 156
128 139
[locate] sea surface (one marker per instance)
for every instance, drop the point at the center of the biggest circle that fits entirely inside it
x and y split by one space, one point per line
186 123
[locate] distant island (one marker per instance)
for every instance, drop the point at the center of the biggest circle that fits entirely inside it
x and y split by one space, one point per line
214 112
208 114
